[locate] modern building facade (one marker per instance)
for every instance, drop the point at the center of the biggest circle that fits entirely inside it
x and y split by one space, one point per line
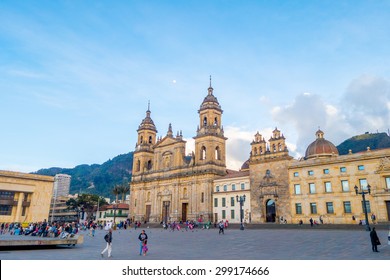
322 185
167 184
61 185
24 197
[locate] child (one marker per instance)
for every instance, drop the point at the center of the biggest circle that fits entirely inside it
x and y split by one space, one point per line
145 247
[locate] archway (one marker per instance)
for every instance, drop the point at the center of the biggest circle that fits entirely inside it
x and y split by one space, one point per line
270 211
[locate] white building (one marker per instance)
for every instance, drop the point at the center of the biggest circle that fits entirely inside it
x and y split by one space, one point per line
61 185
226 194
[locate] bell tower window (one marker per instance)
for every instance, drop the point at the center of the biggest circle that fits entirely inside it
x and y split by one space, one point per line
204 121
217 153
150 139
138 167
203 153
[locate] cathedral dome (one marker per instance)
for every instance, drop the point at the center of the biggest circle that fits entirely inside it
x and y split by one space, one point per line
321 147
245 165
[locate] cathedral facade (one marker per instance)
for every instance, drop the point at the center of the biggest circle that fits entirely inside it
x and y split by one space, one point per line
168 185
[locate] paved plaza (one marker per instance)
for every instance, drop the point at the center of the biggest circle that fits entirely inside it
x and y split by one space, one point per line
250 244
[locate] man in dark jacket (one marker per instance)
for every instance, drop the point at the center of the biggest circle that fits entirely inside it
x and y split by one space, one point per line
108 238
142 237
374 240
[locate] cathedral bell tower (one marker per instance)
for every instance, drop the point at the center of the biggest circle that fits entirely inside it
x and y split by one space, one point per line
143 154
210 142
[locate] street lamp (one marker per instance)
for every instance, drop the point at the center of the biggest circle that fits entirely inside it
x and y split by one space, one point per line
363 193
241 200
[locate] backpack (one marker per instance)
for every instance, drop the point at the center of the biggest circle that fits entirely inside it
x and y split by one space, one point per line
107 237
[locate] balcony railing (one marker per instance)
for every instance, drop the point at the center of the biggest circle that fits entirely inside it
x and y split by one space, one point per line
109 215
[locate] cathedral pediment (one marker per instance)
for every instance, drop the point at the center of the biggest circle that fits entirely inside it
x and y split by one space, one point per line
168 141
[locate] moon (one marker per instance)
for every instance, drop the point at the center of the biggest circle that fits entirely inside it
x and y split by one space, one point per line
174 81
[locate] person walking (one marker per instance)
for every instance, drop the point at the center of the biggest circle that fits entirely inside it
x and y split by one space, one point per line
373 218
142 238
221 226
374 240
311 222
108 238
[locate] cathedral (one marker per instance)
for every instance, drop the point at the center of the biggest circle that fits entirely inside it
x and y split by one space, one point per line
168 185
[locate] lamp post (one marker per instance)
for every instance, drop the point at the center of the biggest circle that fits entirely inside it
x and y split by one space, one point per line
363 193
241 200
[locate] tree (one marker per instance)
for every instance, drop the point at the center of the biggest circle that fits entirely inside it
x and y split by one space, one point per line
85 203
116 191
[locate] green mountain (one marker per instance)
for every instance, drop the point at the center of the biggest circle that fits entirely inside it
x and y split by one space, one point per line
96 178
360 143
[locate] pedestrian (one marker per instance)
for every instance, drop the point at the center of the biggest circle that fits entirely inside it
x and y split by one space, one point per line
108 239
373 218
374 240
311 222
221 226
142 237
145 247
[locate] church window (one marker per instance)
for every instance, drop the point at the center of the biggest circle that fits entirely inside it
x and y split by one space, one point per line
150 139
296 174
203 153
149 164
310 172
217 153
280 147
255 151
261 150
343 169
273 148
360 167
215 122
138 167
204 121
142 139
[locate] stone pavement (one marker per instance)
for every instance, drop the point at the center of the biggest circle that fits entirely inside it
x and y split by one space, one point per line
250 244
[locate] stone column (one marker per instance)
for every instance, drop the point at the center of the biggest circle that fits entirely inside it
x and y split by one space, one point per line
19 207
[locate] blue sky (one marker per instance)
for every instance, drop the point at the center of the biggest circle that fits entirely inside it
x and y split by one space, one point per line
76 76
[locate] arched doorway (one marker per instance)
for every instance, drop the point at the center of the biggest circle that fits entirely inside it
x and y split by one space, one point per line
270 211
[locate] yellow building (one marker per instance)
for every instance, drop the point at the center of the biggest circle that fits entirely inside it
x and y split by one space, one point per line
269 184
168 185
322 185
24 197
